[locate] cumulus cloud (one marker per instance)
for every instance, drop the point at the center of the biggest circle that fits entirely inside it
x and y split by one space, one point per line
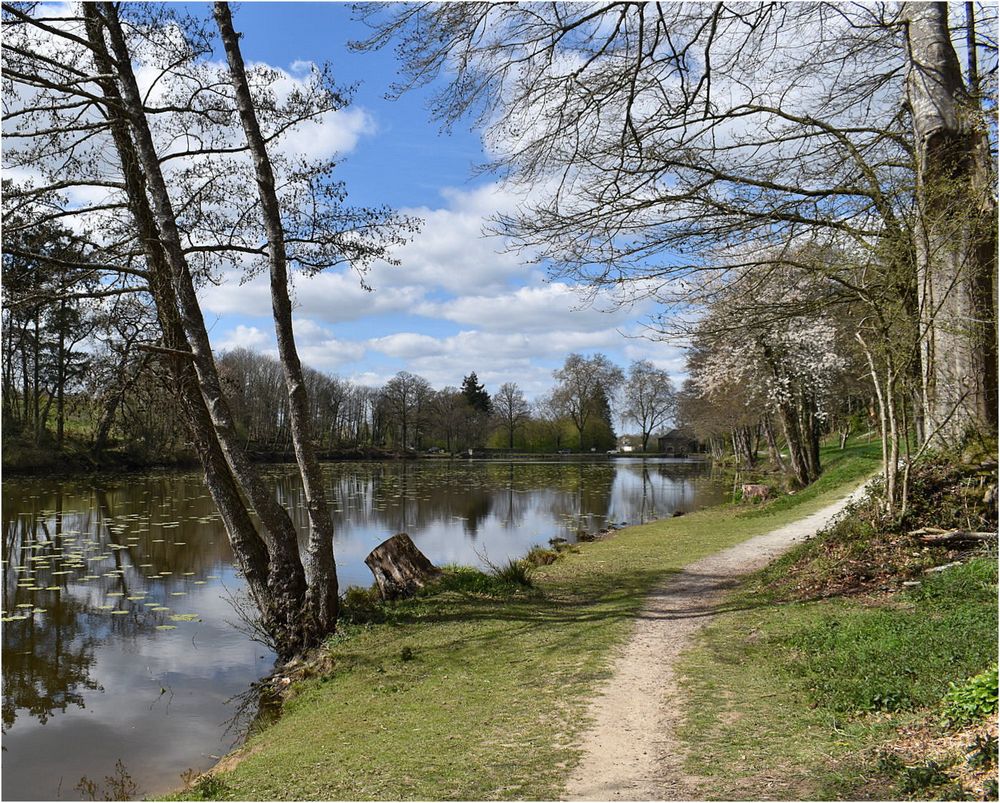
331 297
331 354
328 134
532 308
246 336
453 253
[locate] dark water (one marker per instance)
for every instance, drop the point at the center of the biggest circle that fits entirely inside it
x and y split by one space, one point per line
118 636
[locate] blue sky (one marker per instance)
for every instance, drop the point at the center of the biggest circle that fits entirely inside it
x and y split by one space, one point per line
459 301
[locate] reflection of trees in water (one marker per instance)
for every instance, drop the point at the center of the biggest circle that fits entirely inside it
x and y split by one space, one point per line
653 490
48 657
399 497
404 496
170 535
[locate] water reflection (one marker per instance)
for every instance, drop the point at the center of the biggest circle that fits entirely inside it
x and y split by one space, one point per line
114 592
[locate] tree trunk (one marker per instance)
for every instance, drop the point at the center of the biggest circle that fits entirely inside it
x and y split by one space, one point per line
743 447
277 523
793 439
273 571
772 444
322 595
810 436
956 234
36 390
400 569
61 373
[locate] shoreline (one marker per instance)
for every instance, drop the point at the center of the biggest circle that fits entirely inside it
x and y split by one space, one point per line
508 669
72 465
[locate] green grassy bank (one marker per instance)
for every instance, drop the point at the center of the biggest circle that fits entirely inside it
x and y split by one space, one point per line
478 690
843 670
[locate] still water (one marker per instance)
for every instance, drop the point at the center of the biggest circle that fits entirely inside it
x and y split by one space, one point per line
119 642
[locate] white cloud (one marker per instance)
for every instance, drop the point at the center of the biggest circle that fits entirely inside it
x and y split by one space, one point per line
339 296
331 297
408 345
332 354
496 358
452 252
244 336
538 308
329 134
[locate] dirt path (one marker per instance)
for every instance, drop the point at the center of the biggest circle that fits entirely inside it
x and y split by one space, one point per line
630 752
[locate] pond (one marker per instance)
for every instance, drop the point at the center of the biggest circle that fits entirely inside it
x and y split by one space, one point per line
122 654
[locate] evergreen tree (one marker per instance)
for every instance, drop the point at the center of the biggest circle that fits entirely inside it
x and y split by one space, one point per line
475 394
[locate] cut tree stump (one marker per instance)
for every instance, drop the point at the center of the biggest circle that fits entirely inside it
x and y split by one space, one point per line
400 568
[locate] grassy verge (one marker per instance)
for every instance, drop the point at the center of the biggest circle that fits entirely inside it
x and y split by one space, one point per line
831 679
477 691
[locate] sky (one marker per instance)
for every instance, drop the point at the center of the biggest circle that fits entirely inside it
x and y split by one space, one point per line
459 301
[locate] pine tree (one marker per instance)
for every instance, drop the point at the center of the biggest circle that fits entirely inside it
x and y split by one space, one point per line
475 394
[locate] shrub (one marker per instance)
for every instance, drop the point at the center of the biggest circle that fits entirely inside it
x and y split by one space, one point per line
208 787
969 702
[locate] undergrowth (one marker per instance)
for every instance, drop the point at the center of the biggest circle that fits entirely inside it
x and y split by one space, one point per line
863 663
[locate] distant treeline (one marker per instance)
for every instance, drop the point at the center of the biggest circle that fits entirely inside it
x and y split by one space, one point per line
115 404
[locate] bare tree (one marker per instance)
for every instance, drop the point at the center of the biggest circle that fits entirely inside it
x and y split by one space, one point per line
406 396
511 408
585 383
654 139
322 600
649 398
162 175
449 410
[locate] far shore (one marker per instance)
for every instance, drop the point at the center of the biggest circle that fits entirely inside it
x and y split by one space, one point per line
79 462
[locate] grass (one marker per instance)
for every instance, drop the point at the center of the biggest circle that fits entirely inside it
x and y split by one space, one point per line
802 690
477 689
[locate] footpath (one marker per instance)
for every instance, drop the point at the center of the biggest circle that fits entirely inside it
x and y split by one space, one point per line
630 752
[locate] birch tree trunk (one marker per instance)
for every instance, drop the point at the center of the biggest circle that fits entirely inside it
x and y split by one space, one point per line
956 234
322 595
228 471
250 550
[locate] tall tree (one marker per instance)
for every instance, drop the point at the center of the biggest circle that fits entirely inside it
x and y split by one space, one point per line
449 410
649 398
585 387
322 600
475 394
956 231
77 101
511 408
648 165
478 410
406 396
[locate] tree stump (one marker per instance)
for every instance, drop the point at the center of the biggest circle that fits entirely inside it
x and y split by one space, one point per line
400 569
